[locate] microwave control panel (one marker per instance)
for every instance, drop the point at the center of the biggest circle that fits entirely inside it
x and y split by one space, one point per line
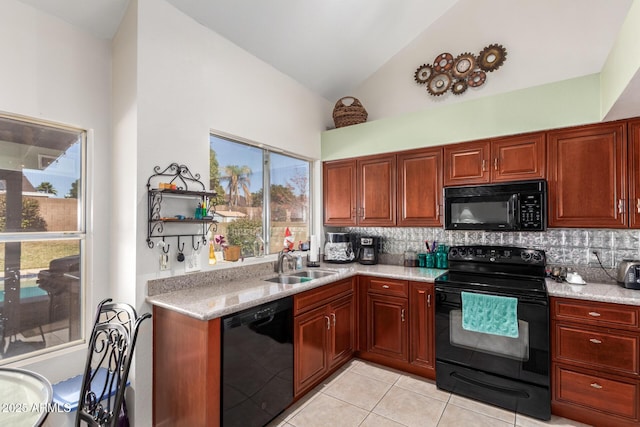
531 216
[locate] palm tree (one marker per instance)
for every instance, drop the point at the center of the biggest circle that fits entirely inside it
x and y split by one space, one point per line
46 187
238 178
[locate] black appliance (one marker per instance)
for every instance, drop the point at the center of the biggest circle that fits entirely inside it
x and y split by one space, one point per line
507 371
497 207
257 364
61 282
368 248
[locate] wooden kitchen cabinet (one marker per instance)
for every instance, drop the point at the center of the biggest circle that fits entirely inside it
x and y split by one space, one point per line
339 192
186 370
587 175
324 333
467 163
633 134
360 191
510 158
518 157
419 188
387 318
595 361
422 328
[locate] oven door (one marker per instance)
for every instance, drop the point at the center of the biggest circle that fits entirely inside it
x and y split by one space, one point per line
509 372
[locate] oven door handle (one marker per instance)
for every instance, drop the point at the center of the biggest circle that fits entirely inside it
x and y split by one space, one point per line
440 291
498 389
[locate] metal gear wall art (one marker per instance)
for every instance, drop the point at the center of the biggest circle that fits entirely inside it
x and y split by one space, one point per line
464 71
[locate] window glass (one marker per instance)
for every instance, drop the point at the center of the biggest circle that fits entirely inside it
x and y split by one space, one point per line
41 233
248 218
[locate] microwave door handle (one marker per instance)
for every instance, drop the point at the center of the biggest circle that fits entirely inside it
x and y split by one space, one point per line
514 208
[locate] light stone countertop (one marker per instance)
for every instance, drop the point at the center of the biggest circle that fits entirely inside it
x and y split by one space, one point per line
204 298
603 292
214 300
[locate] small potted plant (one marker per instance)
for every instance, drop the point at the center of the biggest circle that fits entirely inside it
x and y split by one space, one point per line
220 243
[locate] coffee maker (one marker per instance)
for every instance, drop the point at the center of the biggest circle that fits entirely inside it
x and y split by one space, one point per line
368 250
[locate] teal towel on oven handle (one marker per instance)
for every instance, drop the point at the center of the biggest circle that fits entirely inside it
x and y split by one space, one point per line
490 314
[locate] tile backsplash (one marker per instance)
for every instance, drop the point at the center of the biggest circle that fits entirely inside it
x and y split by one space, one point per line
570 247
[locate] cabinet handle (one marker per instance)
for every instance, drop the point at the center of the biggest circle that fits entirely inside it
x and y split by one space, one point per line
595 341
354 213
596 385
385 286
484 165
495 163
402 315
594 314
638 205
328 322
620 205
429 300
333 318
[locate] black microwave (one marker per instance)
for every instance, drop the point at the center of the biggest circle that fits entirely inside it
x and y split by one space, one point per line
515 206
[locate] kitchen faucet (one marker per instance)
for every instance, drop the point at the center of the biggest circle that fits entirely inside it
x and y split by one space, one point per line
279 267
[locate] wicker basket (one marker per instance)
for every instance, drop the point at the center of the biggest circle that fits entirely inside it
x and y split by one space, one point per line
347 115
231 253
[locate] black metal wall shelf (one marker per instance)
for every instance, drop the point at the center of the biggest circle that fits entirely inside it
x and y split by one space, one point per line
181 183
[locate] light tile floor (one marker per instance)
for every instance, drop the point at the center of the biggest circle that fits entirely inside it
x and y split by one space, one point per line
363 394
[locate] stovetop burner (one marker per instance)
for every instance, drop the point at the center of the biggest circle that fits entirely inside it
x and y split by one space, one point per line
496 269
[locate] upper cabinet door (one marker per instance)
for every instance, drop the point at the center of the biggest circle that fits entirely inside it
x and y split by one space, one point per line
420 188
586 175
339 192
377 190
467 163
633 133
517 158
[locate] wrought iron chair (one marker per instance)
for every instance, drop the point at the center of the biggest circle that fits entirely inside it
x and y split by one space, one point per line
108 361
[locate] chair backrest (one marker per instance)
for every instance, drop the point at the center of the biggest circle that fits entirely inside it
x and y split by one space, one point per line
111 345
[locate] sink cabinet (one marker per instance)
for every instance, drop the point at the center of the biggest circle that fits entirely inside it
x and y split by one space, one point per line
324 332
595 362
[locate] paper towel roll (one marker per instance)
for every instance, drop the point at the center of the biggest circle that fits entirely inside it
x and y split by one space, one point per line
313 249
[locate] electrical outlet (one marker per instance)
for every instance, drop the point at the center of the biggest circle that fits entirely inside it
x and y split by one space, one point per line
164 262
192 263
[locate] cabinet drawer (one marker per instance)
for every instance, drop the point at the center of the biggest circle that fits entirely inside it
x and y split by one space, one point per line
612 396
305 301
388 287
599 349
602 314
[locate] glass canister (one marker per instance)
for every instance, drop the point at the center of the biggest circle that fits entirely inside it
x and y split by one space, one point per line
410 258
430 260
422 260
441 257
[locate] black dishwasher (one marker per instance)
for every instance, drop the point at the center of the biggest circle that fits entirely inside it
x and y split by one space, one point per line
257 364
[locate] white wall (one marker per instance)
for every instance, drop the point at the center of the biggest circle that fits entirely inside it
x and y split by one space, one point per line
53 71
188 81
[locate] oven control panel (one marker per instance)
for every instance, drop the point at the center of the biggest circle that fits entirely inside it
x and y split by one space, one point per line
497 254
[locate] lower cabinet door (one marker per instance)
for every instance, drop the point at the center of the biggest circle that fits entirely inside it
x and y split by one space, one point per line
387 326
421 339
342 330
310 347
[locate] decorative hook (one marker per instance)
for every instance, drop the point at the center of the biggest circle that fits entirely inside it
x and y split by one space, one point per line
193 245
164 245
180 247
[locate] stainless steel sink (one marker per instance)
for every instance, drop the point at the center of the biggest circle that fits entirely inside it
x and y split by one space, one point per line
285 280
300 276
314 274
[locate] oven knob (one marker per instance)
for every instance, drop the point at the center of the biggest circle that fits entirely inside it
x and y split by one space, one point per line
537 256
463 252
453 253
526 256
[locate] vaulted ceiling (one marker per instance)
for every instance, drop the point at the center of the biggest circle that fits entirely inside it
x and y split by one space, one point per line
332 46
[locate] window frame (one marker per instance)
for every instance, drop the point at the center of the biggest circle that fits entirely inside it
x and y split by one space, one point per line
79 235
267 150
